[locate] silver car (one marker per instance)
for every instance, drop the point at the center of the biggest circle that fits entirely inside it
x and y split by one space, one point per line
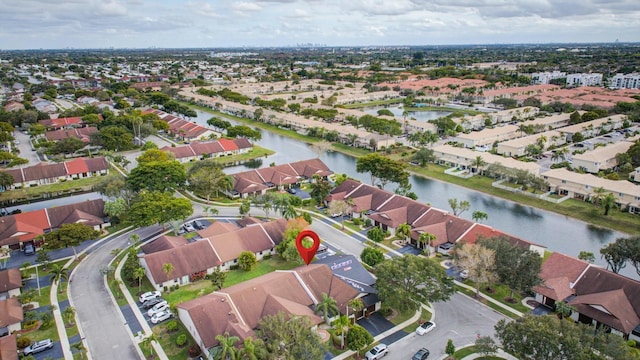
38 346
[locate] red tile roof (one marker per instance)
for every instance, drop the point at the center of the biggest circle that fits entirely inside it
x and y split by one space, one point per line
76 166
228 145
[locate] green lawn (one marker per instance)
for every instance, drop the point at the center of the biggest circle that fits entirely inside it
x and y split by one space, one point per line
57 189
263 267
168 341
371 103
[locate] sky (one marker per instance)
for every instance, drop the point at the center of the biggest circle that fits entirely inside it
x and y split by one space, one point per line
48 24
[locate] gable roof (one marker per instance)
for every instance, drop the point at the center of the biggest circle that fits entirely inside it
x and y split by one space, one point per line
239 308
164 242
43 171
609 298
9 347
481 231
10 279
186 259
217 227
558 273
449 228
10 312
264 178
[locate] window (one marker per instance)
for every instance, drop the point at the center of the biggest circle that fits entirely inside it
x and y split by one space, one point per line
564 181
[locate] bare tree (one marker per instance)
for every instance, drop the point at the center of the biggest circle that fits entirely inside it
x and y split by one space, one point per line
479 261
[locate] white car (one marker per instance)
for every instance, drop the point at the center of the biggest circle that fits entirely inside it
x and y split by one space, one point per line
425 328
161 316
148 296
378 352
38 346
158 308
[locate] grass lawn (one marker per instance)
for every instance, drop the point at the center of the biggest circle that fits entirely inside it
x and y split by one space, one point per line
371 103
502 292
466 351
424 317
402 317
168 341
256 153
471 294
61 188
188 292
263 267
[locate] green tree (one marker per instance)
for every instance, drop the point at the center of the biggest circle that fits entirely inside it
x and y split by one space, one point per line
458 207
247 260
479 216
342 324
57 273
358 339
341 208
450 349
424 156
547 337
218 277
290 338
245 208
382 169
587 256
615 255
6 180
228 351
168 269
477 163
252 349
320 189
116 208
158 208
563 309
403 231
113 138
139 273
328 307
154 155
608 202
147 342
485 345
372 256
71 234
290 212
375 234
405 282
157 176
207 178
67 146
69 315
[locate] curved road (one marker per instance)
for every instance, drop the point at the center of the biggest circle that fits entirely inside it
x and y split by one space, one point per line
102 323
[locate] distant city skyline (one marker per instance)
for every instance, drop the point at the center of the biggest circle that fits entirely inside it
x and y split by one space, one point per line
36 24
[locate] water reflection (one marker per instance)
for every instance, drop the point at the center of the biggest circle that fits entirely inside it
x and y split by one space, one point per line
526 211
253 164
601 234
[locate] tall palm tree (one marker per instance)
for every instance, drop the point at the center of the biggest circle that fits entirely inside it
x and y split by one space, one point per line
327 306
290 212
227 348
404 231
147 343
139 273
477 163
608 202
341 324
426 239
69 315
167 268
57 274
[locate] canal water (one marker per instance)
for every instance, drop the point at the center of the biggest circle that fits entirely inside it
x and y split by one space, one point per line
556 232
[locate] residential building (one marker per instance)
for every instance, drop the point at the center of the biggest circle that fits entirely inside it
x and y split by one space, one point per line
625 81
600 158
487 136
83 134
463 158
10 316
594 127
43 174
237 310
209 149
582 186
547 76
584 79
517 147
10 283
9 347
17 229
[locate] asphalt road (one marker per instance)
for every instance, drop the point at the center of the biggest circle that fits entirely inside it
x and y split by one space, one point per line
25 148
106 333
460 319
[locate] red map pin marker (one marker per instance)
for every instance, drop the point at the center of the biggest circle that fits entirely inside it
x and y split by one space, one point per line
307 254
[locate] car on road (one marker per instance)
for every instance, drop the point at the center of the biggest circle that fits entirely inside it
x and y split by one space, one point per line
158 308
148 296
153 302
425 328
378 352
161 316
38 346
422 354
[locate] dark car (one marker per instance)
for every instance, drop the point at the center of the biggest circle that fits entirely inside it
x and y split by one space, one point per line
151 303
291 191
422 354
29 249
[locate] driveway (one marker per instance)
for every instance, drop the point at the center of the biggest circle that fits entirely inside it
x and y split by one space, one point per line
97 313
375 324
461 319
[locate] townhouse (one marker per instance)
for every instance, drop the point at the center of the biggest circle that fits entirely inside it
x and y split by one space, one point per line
192 260
453 156
83 134
43 174
258 181
182 128
600 158
11 316
10 283
594 127
517 147
486 137
582 186
207 149
64 123
18 229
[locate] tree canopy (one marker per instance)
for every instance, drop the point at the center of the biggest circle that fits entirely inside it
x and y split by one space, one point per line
151 208
157 176
290 338
382 169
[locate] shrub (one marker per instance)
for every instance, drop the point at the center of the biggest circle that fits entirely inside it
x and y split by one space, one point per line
194 350
172 326
356 221
631 343
30 324
23 342
234 267
181 340
367 222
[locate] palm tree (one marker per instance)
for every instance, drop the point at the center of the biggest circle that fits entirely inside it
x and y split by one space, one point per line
598 195
80 348
608 202
57 274
139 273
134 238
403 231
147 343
477 163
356 305
563 309
252 350
341 324
167 268
290 212
426 238
327 306
227 349
69 315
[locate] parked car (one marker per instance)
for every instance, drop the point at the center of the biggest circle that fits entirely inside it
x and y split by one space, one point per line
161 316
425 328
445 248
148 296
464 274
291 190
422 354
29 249
188 227
153 302
38 346
378 352
198 225
158 308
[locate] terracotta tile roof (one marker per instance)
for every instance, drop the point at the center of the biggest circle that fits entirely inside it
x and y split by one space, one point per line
559 272
450 229
479 231
62 122
243 143
239 308
83 134
10 279
76 166
252 238
51 171
187 259
255 180
9 347
180 152
164 242
10 312
207 147
44 171
97 163
228 145
619 296
217 227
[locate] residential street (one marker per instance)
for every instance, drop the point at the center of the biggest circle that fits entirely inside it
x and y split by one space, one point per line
102 322
460 319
